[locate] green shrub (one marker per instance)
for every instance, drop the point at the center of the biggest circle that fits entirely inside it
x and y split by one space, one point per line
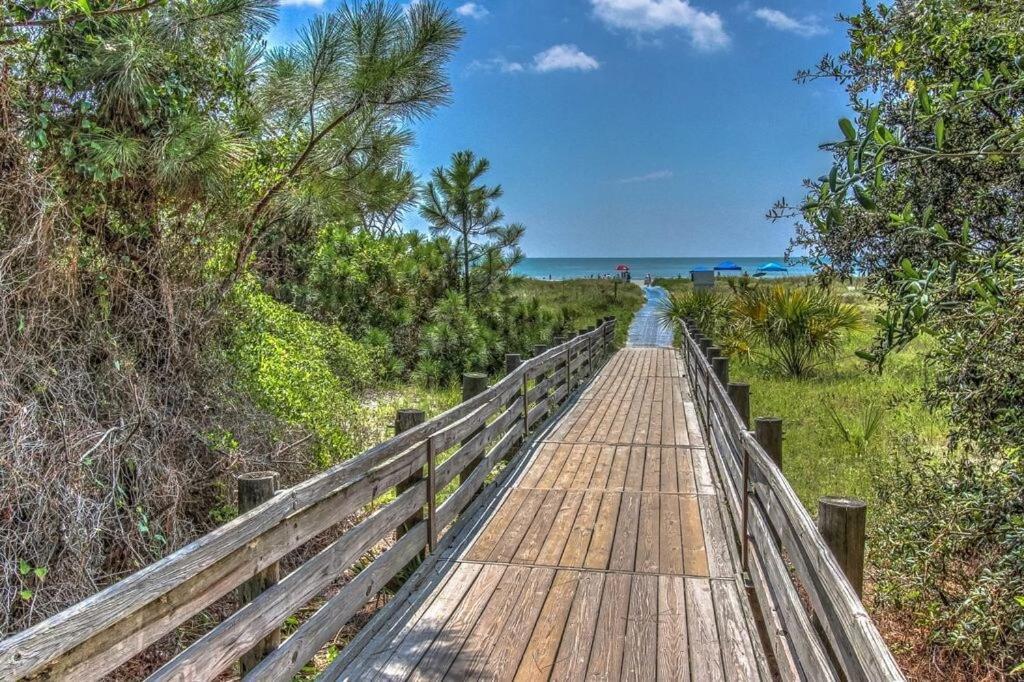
453 342
794 328
949 550
709 309
303 372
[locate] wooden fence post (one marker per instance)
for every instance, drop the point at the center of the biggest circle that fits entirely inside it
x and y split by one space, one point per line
405 420
538 350
473 384
739 394
768 432
253 490
590 351
512 361
720 365
841 521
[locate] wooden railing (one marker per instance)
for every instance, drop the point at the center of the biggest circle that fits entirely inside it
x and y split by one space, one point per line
815 622
402 478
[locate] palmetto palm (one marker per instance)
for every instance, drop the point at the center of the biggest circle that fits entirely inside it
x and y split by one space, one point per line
796 327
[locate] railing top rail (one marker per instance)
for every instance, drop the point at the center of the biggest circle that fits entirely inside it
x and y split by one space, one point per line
871 652
31 650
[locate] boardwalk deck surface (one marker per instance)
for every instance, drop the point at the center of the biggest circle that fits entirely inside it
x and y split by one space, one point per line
604 557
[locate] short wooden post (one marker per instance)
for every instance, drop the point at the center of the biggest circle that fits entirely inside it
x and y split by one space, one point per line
841 521
405 420
720 365
768 432
587 342
538 350
512 362
739 394
253 490
473 384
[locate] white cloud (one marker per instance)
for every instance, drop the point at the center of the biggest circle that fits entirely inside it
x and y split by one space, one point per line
496 64
705 29
807 27
472 10
301 3
564 58
648 177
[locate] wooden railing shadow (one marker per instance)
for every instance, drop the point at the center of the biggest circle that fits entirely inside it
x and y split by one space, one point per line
403 478
784 556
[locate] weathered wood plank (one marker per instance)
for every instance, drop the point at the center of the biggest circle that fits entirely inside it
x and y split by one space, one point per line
640 658
673 646
471 662
733 634
539 657
218 649
702 632
408 652
447 645
609 636
574 651
508 652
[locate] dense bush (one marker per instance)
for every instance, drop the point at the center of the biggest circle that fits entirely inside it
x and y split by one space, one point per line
453 342
305 373
794 328
710 309
924 199
948 547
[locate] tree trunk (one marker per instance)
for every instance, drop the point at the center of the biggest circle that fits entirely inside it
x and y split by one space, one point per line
465 267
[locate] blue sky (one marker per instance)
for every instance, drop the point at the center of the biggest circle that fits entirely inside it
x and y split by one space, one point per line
636 127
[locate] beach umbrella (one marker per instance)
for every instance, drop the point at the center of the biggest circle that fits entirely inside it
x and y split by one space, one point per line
702 268
621 267
773 267
727 265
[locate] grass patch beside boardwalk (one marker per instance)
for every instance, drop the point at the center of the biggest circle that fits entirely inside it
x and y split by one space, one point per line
843 424
581 301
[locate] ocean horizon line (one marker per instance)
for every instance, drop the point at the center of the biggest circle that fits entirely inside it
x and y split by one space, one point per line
568 267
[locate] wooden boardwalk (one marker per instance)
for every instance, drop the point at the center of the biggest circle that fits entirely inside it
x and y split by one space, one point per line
606 555
604 548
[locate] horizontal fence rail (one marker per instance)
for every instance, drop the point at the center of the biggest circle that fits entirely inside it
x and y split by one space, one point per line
784 555
418 481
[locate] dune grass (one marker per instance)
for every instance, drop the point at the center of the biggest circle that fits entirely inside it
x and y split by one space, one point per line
843 424
582 301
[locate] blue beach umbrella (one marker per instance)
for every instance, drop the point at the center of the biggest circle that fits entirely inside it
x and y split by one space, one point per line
727 265
773 267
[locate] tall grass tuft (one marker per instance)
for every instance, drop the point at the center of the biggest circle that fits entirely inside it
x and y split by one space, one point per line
795 329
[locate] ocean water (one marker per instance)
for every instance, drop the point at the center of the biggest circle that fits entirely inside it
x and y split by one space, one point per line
579 268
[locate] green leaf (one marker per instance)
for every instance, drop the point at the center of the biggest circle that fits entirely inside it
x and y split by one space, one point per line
865 355
40 572
924 100
873 118
940 133
863 198
24 567
848 130
26 595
